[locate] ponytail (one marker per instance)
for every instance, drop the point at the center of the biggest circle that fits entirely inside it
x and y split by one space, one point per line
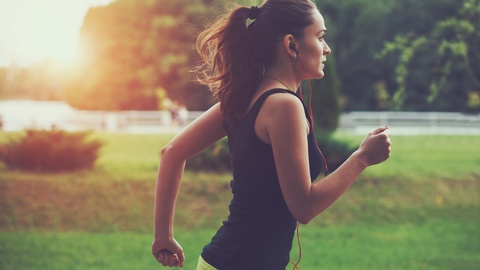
228 66
235 54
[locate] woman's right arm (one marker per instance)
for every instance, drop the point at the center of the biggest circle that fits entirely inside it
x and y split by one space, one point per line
286 130
201 133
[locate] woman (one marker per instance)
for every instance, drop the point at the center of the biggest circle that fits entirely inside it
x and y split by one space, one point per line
254 60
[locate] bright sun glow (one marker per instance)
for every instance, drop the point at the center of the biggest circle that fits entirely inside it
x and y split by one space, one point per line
35 30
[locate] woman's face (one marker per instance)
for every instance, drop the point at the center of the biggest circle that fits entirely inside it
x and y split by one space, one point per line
313 49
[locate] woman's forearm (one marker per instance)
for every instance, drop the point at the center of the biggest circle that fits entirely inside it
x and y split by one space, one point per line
326 191
373 150
169 176
196 137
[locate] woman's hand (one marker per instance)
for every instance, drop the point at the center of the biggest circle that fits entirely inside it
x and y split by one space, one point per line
168 253
375 148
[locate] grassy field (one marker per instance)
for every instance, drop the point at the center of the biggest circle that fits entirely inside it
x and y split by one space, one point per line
419 210
435 245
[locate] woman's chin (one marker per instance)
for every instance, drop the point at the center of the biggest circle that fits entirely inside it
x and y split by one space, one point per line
319 75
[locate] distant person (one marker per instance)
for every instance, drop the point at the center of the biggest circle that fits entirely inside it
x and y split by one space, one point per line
254 61
182 114
174 113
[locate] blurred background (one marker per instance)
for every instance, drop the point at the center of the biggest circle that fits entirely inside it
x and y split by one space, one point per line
91 90
96 55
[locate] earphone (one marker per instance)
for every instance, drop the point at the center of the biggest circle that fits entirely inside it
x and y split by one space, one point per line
293 47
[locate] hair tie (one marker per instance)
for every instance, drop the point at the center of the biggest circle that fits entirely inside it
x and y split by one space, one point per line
254 11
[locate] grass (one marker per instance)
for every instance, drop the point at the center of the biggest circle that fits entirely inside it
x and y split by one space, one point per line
418 210
136 156
413 157
427 157
127 156
435 245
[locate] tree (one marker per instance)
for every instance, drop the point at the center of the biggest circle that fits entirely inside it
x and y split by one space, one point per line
453 70
133 48
357 31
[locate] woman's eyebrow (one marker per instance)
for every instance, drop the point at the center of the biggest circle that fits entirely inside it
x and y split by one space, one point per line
323 30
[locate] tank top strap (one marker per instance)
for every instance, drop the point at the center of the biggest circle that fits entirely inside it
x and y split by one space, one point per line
258 103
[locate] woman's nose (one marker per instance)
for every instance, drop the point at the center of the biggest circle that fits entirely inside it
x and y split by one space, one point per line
327 49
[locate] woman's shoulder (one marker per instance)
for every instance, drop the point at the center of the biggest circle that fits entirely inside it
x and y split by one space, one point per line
283 102
282 108
281 118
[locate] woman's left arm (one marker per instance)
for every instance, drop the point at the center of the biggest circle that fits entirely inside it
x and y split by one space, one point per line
197 136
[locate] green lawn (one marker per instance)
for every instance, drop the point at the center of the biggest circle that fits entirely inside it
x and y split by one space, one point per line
435 245
418 210
135 156
418 157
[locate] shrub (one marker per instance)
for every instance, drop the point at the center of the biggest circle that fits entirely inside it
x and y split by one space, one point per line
216 158
50 150
335 150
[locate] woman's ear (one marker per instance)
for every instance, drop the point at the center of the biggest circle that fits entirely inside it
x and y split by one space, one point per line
290 46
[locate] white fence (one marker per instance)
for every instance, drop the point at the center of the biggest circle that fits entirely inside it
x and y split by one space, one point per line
410 123
131 121
18 115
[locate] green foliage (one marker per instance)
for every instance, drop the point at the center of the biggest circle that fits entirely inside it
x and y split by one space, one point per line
474 101
425 69
382 97
216 158
355 29
406 48
335 150
450 59
55 150
133 48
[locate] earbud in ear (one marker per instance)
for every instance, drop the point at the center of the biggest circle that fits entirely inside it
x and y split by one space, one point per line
293 47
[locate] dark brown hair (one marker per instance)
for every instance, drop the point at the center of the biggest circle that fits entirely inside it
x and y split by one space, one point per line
235 54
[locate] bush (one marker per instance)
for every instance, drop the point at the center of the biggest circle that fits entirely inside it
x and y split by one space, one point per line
335 150
50 150
216 158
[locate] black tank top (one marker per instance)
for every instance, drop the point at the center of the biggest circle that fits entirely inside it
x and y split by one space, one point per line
259 230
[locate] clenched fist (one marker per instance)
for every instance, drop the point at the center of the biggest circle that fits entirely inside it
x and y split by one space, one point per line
375 148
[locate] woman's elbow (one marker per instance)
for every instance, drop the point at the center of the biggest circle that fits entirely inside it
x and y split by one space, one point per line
165 150
171 153
304 217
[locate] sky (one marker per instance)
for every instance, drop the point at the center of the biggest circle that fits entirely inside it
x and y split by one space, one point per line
35 30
